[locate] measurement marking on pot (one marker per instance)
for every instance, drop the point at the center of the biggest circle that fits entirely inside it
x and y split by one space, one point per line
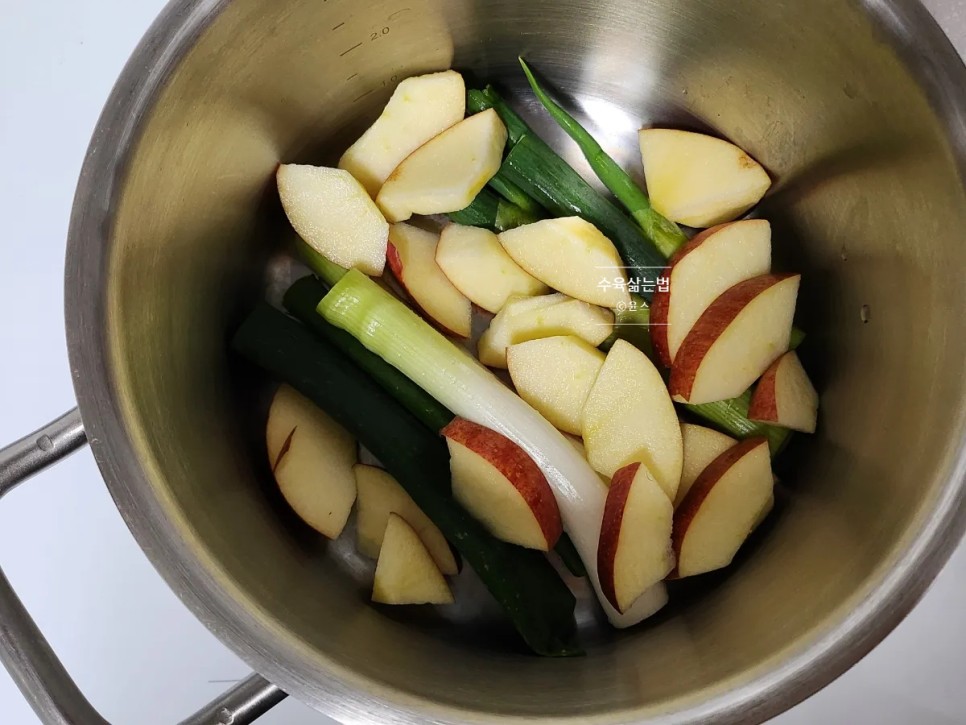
350 49
352 76
398 13
359 98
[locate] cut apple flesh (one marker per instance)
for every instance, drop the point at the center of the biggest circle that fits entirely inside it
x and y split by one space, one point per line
570 255
635 551
500 485
629 417
539 317
412 259
722 508
735 340
476 263
699 180
312 457
379 496
405 571
555 375
335 216
420 108
699 272
785 396
701 446
446 173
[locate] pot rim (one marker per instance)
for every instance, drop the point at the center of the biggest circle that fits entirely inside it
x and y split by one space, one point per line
787 678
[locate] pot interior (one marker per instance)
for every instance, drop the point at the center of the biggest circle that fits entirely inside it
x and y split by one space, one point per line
868 204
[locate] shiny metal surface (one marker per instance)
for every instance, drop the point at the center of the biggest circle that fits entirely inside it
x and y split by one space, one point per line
244 703
856 108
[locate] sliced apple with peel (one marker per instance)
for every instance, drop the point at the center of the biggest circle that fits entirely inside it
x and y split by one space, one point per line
412 259
735 340
722 508
635 551
555 375
405 571
701 446
420 108
699 180
570 255
785 396
447 172
312 457
539 317
629 417
500 485
476 263
381 495
715 260
335 216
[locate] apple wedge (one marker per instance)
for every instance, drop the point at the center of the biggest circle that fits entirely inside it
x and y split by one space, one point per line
735 340
405 571
701 446
722 508
412 259
715 260
785 396
475 262
312 457
499 484
446 173
555 375
420 108
699 180
534 318
635 551
570 255
335 216
379 496
629 417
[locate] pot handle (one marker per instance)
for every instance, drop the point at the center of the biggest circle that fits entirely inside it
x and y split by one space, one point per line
27 655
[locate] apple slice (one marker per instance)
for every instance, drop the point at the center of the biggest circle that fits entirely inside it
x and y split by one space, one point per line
701 446
629 417
571 255
381 495
446 173
420 108
699 180
635 551
477 265
405 571
499 484
555 375
722 508
335 216
743 331
716 259
785 396
538 317
412 259
312 457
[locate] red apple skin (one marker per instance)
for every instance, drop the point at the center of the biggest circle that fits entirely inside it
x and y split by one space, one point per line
516 466
660 303
716 318
764 402
396 265
699 491
610 528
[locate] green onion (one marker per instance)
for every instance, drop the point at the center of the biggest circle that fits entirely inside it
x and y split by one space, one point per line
522 580
477 101
796 339
732 416
491 212
515 195
328 272
385 326
663 233
632 325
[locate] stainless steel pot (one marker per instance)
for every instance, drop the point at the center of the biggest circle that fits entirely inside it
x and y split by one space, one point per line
857 107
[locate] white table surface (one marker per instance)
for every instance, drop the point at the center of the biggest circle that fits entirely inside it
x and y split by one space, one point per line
136 651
